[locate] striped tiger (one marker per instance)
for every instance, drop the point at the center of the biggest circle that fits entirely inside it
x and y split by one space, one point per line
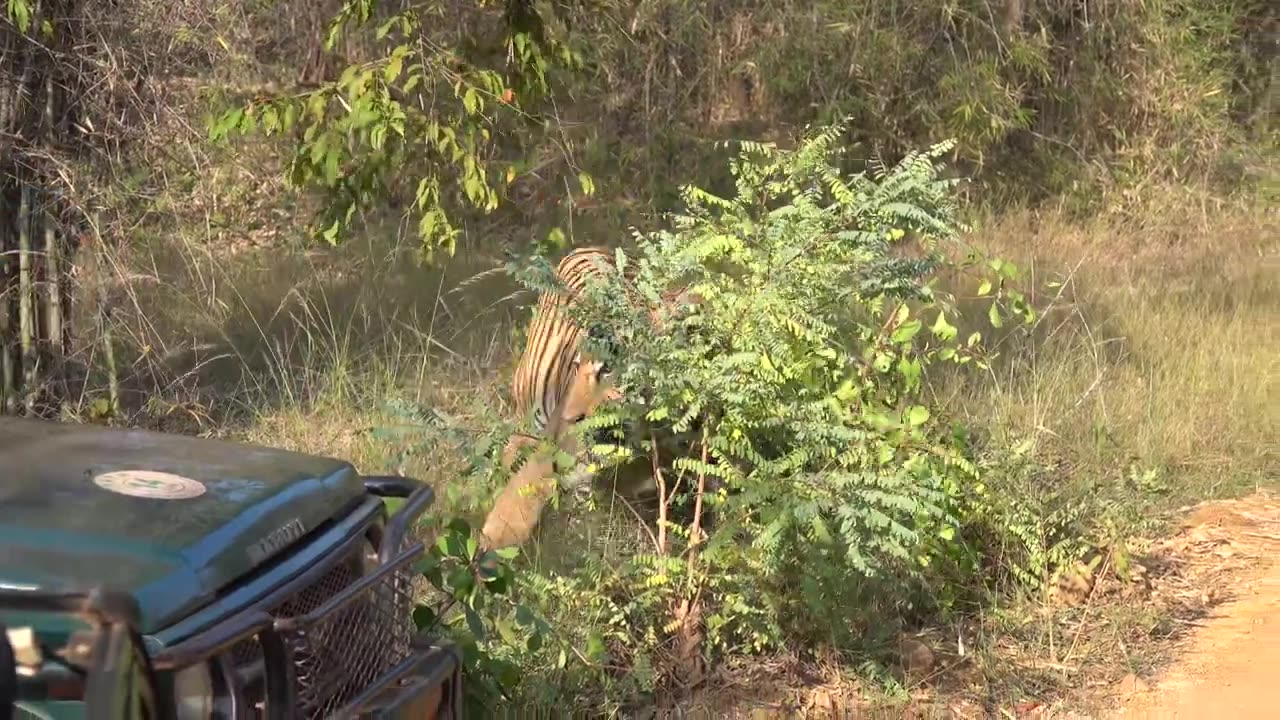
560 385
556 380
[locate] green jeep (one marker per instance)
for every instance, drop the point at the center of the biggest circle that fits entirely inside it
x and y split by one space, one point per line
145 575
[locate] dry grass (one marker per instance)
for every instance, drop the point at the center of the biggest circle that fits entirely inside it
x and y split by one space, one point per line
1160 348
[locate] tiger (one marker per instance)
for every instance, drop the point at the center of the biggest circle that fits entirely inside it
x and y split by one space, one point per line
556 384
555 378
556 381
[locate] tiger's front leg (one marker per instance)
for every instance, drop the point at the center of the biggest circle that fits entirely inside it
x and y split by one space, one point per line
518 507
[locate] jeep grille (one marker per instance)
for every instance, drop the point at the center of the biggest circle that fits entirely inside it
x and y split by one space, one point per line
339 654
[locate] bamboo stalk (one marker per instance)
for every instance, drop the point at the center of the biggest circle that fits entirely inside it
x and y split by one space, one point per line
26 311
8 389
104 329
109 351
49 128
6 90
29 55
53 289
52 279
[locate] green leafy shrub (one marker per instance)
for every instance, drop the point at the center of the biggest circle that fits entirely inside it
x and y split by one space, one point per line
776 350
471 601
786 396
780 352
507 618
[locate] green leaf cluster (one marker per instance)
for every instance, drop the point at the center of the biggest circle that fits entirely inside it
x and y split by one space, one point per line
787 383
419 122
474 603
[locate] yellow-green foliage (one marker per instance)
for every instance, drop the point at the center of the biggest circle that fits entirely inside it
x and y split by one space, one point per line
1150 378
384 130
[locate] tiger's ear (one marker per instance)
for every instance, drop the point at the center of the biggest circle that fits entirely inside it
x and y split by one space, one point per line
592 365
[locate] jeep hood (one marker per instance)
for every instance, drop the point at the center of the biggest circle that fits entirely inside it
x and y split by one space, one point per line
76 513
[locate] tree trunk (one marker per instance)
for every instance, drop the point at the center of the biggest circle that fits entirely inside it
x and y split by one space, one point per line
1014 12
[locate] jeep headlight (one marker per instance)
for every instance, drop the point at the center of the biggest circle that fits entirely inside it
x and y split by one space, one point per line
193 692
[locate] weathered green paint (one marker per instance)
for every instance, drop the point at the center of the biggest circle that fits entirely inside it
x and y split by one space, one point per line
285 568
60 531
49 710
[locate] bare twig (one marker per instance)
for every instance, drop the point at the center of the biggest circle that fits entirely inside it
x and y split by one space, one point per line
663 498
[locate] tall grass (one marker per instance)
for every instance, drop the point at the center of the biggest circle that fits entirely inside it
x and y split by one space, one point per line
240 336
1159 347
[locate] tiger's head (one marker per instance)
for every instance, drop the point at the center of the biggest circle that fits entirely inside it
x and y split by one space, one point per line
589 387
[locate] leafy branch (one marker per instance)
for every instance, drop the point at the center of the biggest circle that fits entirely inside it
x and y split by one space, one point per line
419 121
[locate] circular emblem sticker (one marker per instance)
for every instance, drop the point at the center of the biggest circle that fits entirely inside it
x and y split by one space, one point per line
150 484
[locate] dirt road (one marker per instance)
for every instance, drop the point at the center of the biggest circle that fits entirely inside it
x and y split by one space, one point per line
1216 578
1230 666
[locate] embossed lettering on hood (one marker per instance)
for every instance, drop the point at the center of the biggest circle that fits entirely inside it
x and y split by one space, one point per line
276 540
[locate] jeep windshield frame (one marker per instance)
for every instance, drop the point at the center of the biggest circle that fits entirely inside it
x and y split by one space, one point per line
105 666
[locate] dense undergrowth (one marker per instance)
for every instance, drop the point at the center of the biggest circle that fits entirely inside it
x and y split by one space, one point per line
1083 436
1122 156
